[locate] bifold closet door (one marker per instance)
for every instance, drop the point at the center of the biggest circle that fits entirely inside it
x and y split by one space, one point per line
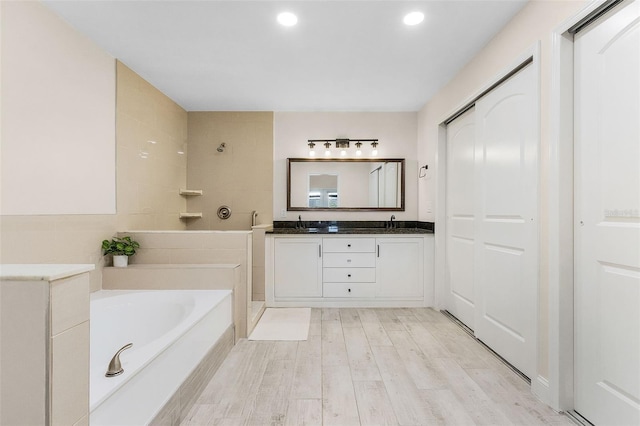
506 258
607 218
460 239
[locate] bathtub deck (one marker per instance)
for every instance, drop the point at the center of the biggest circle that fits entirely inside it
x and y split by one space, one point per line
408 366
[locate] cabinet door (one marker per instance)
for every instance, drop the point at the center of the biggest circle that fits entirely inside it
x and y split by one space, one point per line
400 268
298 267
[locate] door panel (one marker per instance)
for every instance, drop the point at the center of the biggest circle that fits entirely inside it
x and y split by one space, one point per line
298 267
400 254
460 239
506 262
607 218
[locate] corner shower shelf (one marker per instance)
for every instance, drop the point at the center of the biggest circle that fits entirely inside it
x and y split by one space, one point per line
190 215
190 192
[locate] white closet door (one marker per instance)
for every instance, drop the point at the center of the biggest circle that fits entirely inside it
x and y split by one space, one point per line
460 239
506 260
607 218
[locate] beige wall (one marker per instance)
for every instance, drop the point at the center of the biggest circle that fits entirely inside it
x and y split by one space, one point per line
147 189
533 24
397 132
58 105
151 131
240 177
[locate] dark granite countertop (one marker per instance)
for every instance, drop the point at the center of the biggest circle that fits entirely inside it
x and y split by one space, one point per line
351 227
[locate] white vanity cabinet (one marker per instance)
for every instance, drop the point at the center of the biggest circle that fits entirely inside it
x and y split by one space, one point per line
297 267
399 269
349 270
349 267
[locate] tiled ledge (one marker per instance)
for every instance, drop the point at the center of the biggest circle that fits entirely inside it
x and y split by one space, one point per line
42 271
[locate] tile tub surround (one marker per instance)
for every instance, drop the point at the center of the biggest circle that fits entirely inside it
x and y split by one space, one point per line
44 355
176 409
199 247
183 277
168 355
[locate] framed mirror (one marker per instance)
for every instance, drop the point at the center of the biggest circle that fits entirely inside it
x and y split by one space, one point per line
354 184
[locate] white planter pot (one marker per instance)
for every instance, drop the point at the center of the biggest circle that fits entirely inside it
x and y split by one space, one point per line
120 261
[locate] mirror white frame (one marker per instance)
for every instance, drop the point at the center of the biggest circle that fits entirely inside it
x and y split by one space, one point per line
305 207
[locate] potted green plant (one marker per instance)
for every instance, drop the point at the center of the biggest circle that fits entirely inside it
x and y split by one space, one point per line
121 249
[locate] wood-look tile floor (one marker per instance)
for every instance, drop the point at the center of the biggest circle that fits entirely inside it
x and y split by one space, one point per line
407 366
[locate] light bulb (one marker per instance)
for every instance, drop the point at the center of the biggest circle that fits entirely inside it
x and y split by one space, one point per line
327 153
343 153
287 19
374 152
312 153
413 18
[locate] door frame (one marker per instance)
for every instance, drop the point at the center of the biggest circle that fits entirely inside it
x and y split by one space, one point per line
561 210
532 55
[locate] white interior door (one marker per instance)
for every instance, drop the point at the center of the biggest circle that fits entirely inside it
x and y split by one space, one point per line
460 239
607 218
506 257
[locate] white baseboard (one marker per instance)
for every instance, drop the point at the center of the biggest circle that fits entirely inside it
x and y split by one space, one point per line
540 388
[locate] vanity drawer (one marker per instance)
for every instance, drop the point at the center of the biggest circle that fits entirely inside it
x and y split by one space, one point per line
349 275
349 245
349 260
348 290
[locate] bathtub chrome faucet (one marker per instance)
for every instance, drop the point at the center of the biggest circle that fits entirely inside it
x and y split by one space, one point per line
115 367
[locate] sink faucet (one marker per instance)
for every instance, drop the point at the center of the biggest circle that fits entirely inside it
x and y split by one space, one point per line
299 225
391 224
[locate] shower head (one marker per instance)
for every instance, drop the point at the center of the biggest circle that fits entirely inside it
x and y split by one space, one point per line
222 147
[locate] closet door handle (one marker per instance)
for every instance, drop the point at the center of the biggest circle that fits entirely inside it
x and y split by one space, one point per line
378 250
319 250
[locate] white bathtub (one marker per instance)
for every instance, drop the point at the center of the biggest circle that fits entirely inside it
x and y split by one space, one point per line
171 332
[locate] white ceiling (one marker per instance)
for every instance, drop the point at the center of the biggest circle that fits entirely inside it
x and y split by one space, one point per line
342 55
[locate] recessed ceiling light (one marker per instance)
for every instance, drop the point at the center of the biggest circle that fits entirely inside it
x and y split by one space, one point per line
413 18
287 19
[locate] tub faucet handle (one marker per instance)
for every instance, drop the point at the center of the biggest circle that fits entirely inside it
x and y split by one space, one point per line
115 367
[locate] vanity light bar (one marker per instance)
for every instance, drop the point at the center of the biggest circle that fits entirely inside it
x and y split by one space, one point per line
340 140
343 145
